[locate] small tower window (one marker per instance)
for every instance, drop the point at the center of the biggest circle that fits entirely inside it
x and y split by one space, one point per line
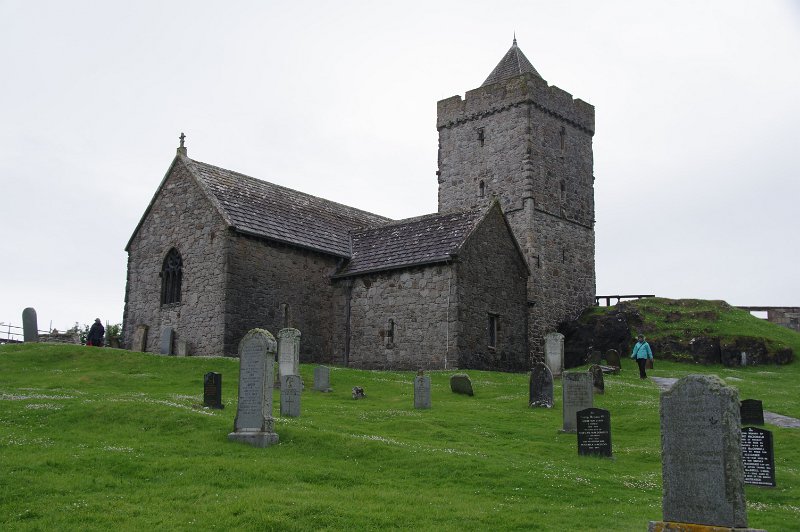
481 135
563 138
482 189
390 333
563 191
171 277
493 330
563 255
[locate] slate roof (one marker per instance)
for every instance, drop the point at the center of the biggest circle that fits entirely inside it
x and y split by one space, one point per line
415 241
512 64
278 213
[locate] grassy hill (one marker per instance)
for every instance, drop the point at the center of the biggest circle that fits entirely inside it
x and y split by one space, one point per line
92 439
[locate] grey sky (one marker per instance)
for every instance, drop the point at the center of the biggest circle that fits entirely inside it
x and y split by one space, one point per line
696 145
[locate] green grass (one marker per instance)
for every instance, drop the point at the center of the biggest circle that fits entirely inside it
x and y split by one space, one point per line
92 439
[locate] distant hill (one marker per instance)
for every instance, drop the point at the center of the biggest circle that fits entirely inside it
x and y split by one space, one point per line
684 330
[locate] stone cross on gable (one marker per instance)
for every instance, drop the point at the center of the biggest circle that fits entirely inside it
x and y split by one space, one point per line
182 137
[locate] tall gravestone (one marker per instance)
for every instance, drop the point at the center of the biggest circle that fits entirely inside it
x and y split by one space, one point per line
181 348
422 391
576 395
752 412
212 390
291 387
139 339
254 423
288 352
322 379
540 387
30 327
594 432
167 335
703 478
554 352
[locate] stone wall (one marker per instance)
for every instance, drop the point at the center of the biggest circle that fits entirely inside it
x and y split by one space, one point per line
273 286
492 280
785 316
180 216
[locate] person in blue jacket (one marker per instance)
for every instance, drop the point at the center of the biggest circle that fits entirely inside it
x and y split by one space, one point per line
641 352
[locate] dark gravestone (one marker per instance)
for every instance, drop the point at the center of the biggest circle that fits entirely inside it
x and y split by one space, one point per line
594 432
212 390
422 391
598 382
612 358
576 395
254 424
752 412
460 383
167 335
30 327
703 479
291 387
540 389
358 392
758 457
594 356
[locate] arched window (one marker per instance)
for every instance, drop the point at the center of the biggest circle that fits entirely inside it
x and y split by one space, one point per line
482 189
171 275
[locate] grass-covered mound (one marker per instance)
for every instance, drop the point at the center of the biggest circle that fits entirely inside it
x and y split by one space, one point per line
685 330
98 439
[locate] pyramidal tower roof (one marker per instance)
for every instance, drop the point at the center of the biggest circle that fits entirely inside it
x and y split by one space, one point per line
512 64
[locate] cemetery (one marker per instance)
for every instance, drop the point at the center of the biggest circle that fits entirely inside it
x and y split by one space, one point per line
99 437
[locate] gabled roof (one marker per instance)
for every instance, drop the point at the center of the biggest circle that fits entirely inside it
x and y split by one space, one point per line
512 64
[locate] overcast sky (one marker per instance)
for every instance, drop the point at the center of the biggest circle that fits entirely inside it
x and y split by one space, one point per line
695 151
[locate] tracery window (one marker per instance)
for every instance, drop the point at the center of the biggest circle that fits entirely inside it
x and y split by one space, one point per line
171 276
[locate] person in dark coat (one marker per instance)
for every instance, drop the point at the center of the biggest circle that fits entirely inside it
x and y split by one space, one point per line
96 332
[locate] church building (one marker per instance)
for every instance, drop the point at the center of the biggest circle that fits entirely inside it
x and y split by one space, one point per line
508 256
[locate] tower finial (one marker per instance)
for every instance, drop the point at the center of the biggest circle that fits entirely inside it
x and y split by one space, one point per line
515 37
182 147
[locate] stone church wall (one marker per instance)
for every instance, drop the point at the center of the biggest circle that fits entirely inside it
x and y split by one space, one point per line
272 286
181 217
492 280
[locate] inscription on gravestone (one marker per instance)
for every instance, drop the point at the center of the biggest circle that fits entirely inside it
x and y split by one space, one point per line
554 352
594 432
254 423
576 394
322 379
291 387
422 391
758 457
703 478
166 341
288 352
752 412
30 326
540 387
212 390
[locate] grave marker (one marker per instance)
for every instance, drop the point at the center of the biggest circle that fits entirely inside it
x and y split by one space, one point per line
181 348
540 387
322 379
254 424
752 412
460 383
422 391
594 432
139 339
576 395
291 387
166 340
212 390
758 457
30 326
598 382
288 352
612 358
554 352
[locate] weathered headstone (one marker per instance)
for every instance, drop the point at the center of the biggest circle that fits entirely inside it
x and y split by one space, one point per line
598 382
422 391
460 383
30 326
594 432
554 352
181 348
758 457
358 392
540 387
212 390
752 412
167 335
322 379
288 352
612 358
139 339
743 360
254 423
576 393
703 478
291 387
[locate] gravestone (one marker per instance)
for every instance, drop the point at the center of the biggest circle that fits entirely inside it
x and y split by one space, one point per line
288 352
612 358
291 387
576 395
166 341
460 383
358 392
30 326
554 352
540 388
322 379
212 390
752 412
703 478
422 391
598 382
743 360
594 356
254 424
139 339
594 432
181 348
758 457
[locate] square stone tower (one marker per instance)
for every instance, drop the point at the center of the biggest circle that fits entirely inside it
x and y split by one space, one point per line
530 145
